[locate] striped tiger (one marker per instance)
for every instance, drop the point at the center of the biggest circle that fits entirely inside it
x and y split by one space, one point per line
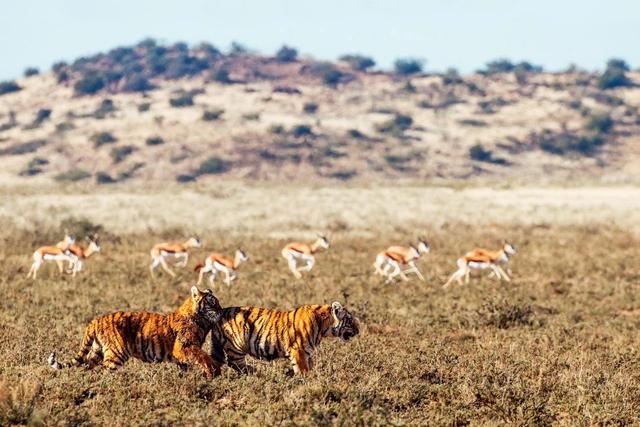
270 334
151 337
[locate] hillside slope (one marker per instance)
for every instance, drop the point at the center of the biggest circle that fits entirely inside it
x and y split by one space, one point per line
280 122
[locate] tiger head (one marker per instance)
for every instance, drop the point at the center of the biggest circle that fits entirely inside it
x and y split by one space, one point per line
345 324
205 304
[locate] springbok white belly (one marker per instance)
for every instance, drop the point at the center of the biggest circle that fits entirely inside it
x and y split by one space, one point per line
49 257
479 265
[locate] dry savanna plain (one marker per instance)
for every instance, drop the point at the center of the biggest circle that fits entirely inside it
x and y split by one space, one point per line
558 345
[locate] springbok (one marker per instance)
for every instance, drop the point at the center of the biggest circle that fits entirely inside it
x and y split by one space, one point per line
81 253
295 251
483 259
215 263
179 251
397 256
58 253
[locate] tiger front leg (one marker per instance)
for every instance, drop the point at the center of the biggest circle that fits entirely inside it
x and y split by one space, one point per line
194 355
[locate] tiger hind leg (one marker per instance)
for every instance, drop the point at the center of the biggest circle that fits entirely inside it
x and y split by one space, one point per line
112 360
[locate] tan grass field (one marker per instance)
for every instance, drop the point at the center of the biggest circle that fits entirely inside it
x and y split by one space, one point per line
558 345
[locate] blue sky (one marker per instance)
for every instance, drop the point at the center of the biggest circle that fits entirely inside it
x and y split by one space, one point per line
464 34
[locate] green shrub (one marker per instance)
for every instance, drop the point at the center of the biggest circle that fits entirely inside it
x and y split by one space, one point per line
600 123
618 63
221 76
343 175
356 134
451 77
286 54
8 87
72 175
89 84
23 148
212 115
145 106
613 78
182 99
118 154
310 107
501 65
137 83
34 166
565 143
213 165
358 62
154 140
276 129
182 178
31 71
104 178
328 72
299 131
251 116
103 138
397 125
479 153
408 66
105 108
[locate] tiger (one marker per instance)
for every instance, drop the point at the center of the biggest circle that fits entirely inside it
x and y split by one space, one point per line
270 334
151 337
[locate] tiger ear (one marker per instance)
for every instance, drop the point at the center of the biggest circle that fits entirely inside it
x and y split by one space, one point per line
337 310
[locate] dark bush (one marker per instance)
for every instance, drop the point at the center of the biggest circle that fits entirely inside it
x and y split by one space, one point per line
221 76
618 63
145 106
34 166
479 153
212 115
356 134
289 90
238 48
118 154
213 165
137 83
328 72
8 87
299 131
276 129
472 122
600 123
504 315
103 138
310 107
358 62
286 54
343 175
72 175
106 107
451 77
613 78
182 178
251 116
408 66
154 140
23 148
397 125
501 65
564 143
89 84
42 115
182 99
31 71
104 178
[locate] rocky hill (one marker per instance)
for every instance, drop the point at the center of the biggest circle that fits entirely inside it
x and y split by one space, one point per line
173 113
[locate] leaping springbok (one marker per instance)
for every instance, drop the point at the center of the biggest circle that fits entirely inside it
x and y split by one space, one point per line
295 251
482 259
179 251
81 253
397 256
215 263
58 253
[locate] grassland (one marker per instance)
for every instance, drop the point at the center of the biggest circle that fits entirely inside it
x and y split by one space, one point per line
558 345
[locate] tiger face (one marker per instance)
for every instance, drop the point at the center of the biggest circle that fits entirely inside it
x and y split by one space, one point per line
345 324
206 304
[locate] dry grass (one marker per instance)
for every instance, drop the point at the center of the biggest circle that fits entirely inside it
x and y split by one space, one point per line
558 345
